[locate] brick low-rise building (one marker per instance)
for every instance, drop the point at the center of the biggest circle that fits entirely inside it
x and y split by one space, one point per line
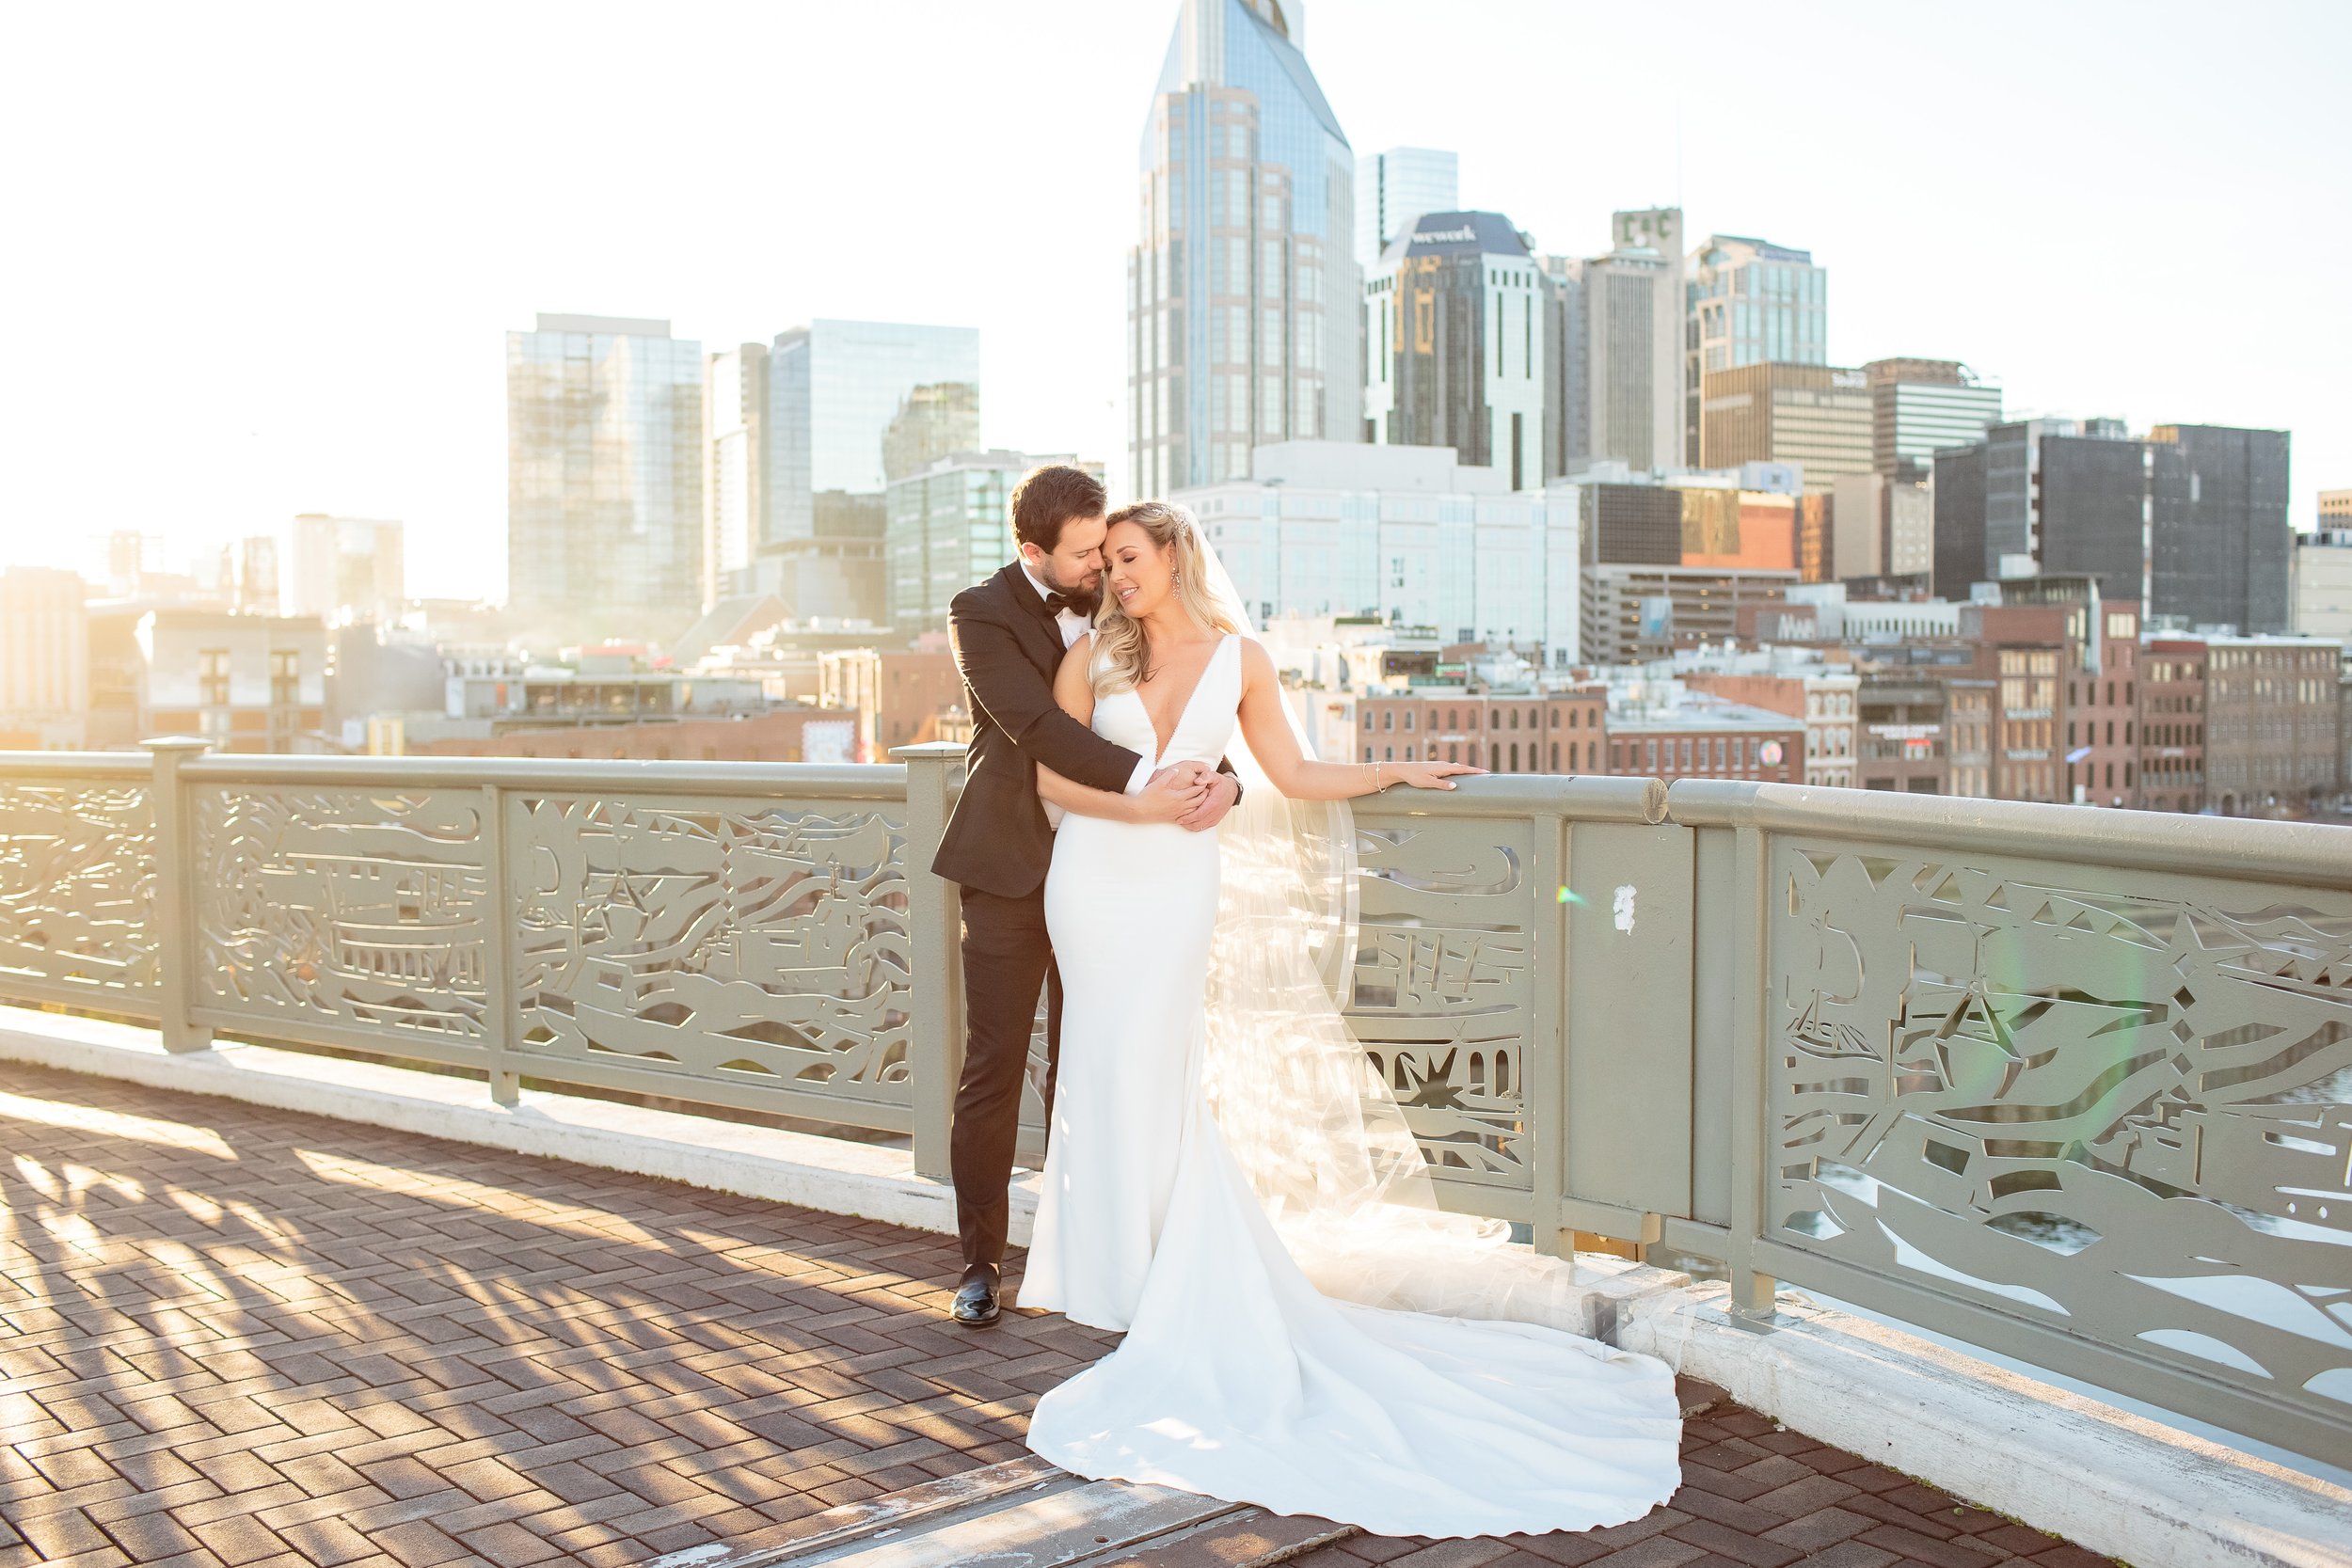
1707 740
2272 728
1902 742
2173 724
1506 731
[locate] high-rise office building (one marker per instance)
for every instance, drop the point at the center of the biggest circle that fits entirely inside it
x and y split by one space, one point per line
933 420
1633 343
835 388
1919 406
246 575
604 476
1401 533
2092 492
1567 365
1815 416
1243 295
2220 546
1395 187
950 524
1749 302
45 658
347 568
1884 528
735 467
2191 521
1455 338
2323 585
1959 490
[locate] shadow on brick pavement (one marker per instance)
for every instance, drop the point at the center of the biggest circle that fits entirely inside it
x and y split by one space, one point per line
260 1340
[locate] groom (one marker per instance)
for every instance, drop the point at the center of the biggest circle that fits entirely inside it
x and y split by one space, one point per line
1009 634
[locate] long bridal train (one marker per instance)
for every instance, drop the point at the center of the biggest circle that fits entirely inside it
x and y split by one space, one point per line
1238 1378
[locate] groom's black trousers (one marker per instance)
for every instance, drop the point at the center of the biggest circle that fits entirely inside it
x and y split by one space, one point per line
1006 956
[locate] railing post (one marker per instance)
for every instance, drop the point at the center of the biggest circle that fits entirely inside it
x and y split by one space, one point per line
1752 1293
1544 1069
499 1008
936 1023
175 894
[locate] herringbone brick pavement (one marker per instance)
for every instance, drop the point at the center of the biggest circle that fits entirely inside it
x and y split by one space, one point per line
238 1336
234 1336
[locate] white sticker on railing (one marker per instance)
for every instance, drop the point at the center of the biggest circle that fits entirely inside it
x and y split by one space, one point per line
1624 908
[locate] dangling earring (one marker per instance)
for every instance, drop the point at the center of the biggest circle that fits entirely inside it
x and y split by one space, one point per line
1175 579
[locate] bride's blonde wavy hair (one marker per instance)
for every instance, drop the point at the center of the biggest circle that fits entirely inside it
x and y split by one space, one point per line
1122 659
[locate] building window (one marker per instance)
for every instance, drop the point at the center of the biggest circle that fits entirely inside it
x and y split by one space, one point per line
1555 756
1409 754
1367 717
1515 756
1409 719
285 677
212 677
1388 719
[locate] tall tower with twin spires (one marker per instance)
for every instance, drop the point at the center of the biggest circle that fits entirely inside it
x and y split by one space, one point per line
1243 295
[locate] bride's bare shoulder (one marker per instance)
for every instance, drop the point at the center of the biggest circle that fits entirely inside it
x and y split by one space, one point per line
1255 660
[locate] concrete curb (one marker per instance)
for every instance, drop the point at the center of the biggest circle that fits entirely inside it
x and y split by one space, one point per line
2107 1480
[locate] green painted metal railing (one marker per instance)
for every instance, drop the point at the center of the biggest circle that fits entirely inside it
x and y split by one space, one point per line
2065 1083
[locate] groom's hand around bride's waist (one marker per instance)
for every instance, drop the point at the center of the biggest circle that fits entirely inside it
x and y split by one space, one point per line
1176 792
1219 791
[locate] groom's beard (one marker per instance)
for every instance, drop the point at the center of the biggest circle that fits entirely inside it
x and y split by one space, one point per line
1086 601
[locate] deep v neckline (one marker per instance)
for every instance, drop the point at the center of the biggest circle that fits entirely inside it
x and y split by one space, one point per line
1184 712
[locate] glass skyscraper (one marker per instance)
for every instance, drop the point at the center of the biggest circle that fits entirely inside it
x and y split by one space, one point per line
802 436
604 477
1242 292
950 525
1457 343
1393 189
1751 302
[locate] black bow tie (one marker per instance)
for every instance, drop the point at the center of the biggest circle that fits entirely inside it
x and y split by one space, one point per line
1082 604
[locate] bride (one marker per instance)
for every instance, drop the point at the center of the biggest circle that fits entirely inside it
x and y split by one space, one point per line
1229 1182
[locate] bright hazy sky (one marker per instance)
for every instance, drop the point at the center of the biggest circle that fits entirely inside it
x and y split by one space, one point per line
259 261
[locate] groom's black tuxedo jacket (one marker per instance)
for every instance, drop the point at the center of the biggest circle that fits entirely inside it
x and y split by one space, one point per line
1008 649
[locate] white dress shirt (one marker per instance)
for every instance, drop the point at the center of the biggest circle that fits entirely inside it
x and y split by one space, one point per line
1075 626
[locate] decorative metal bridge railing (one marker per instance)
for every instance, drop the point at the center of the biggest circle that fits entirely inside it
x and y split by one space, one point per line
2068 1084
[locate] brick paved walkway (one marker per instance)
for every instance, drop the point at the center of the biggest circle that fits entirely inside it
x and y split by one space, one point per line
232 1336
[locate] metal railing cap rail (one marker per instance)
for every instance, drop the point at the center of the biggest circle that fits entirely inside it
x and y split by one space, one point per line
2312 854
1577 797
1587 798
779 780
77 765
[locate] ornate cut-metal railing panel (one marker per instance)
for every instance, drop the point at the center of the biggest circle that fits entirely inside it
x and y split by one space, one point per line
77 889
761 945
358 910
1442 985
2116 1102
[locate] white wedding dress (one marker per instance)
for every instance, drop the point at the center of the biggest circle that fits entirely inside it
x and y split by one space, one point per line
1237 1379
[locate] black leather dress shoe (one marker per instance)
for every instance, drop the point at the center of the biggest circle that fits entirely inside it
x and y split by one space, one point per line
976 1298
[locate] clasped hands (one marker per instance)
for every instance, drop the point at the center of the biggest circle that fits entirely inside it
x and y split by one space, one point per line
1192 794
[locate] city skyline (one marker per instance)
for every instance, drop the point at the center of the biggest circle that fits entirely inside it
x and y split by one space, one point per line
430 242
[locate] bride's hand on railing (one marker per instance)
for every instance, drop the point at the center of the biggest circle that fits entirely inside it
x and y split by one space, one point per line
1424 775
